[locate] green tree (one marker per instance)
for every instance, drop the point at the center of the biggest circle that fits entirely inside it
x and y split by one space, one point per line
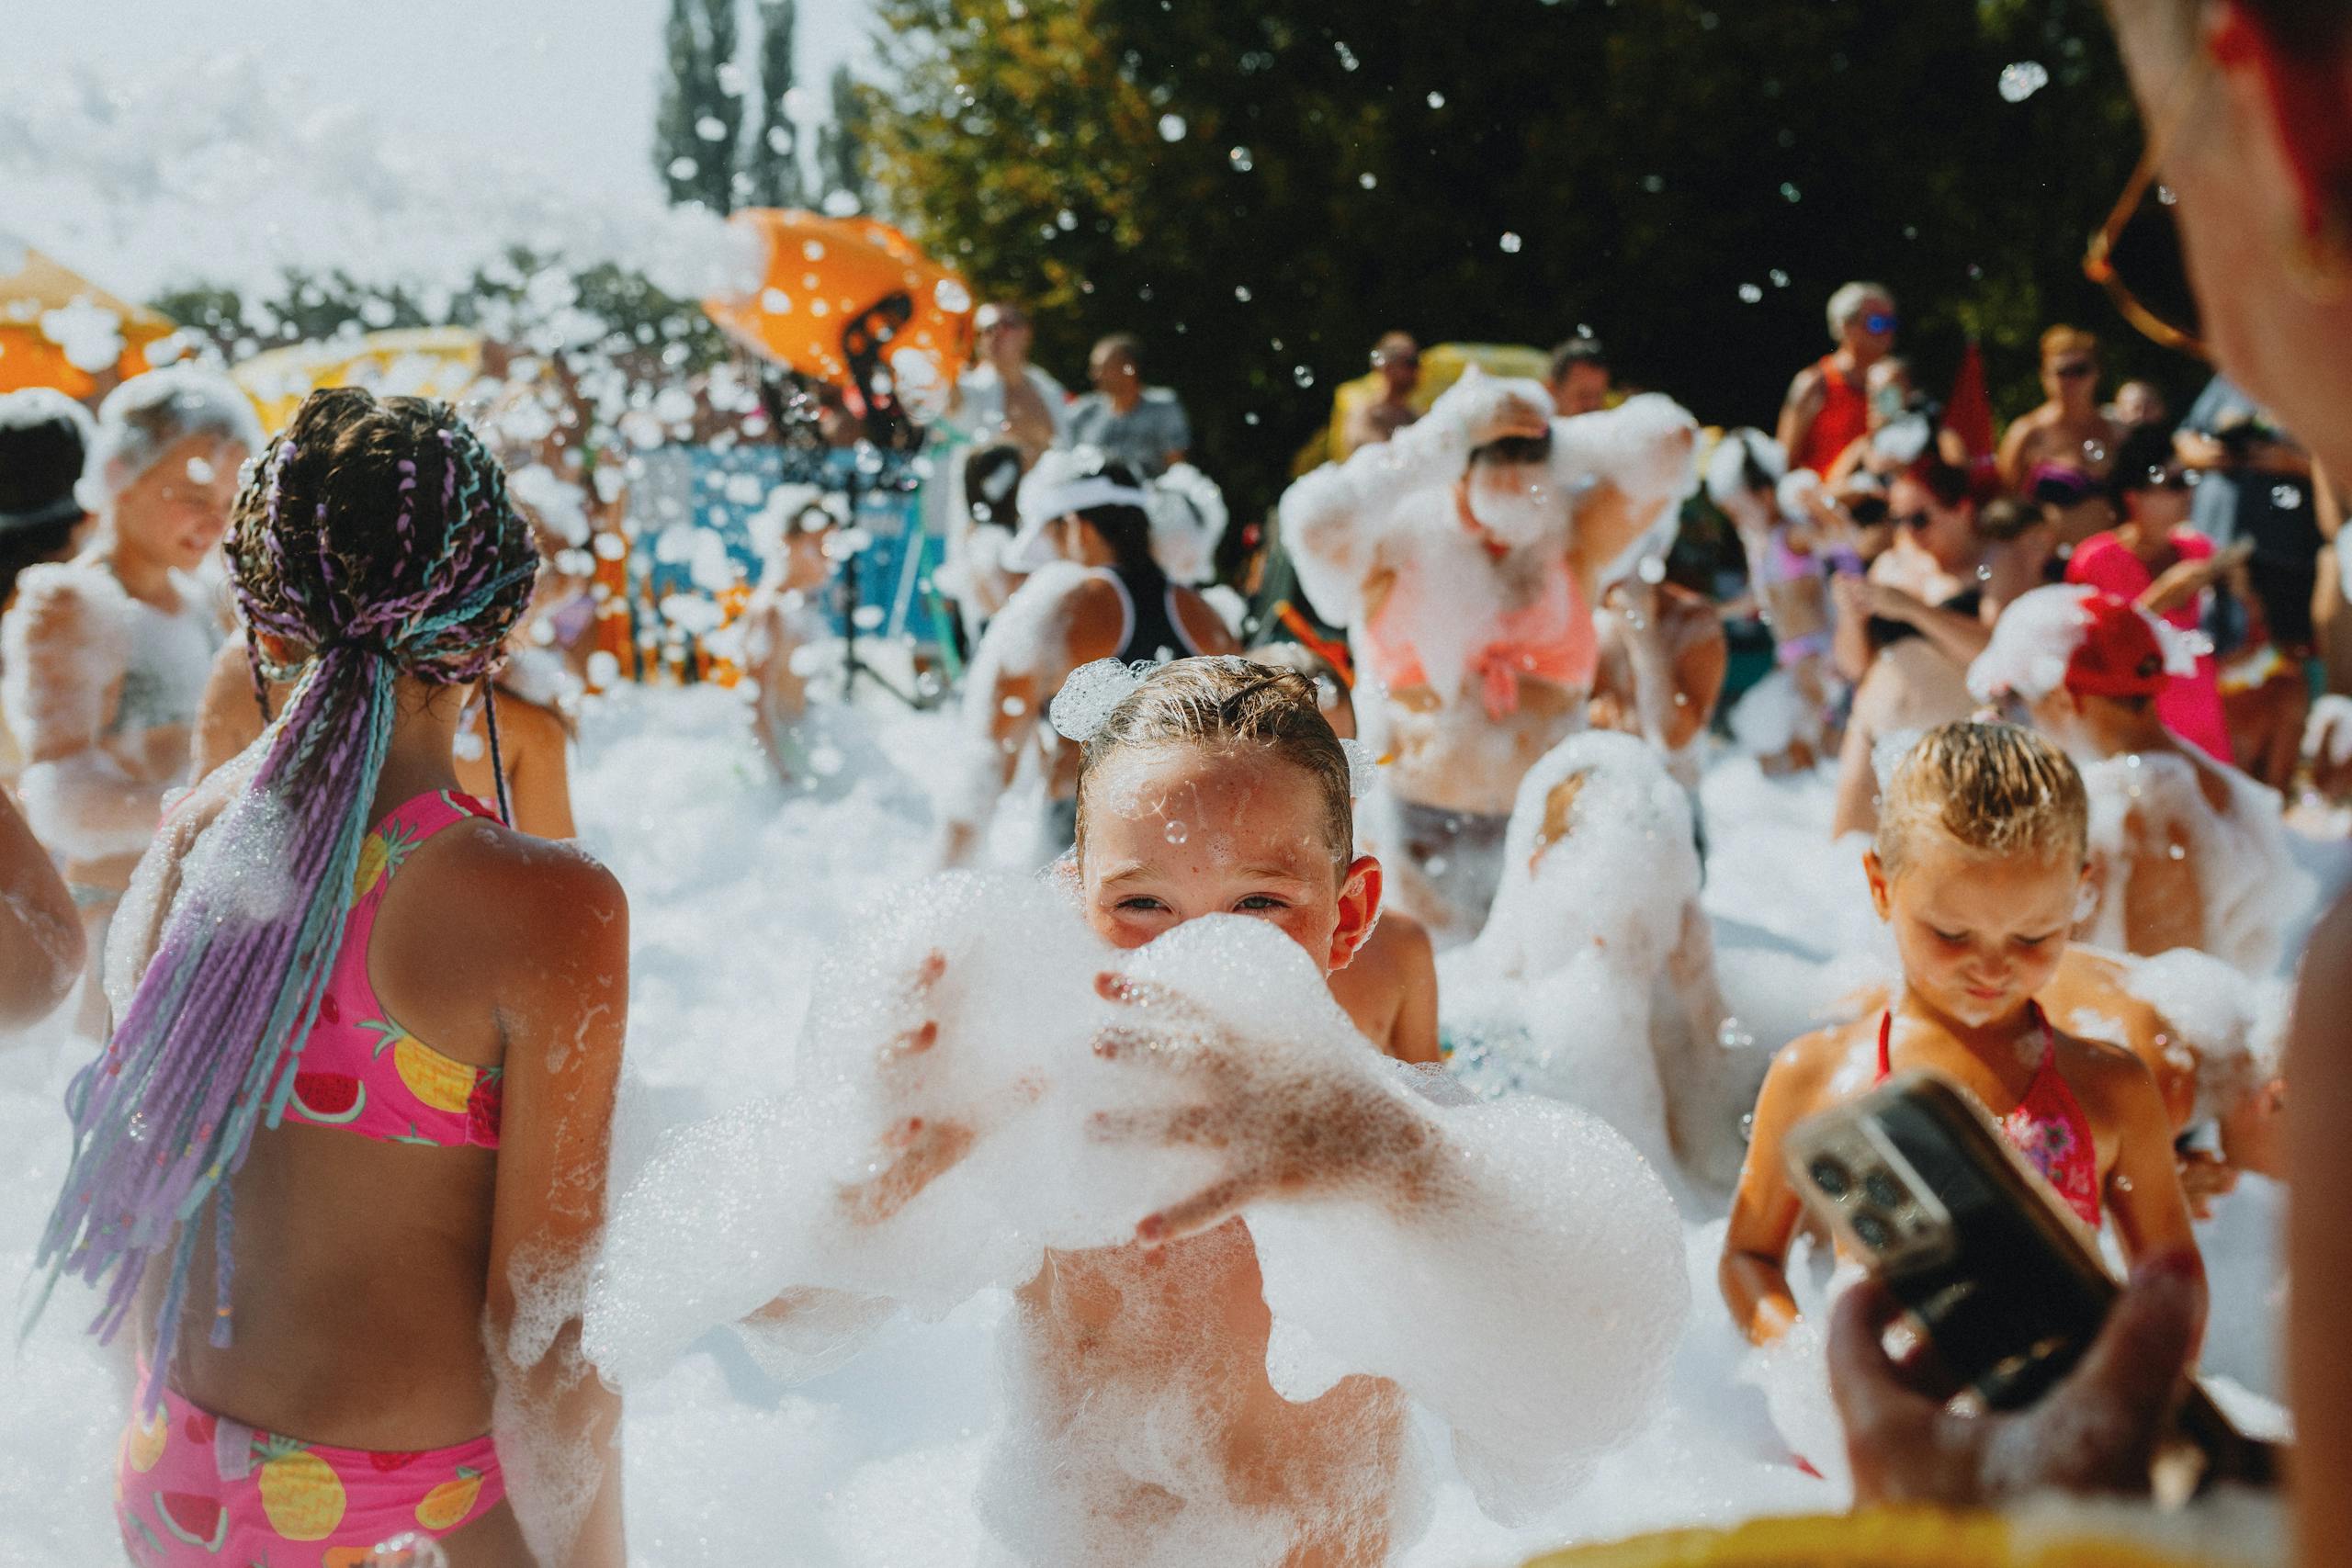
771 158
1259 189
699 121
842 143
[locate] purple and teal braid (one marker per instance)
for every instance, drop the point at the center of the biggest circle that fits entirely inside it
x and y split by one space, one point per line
378 537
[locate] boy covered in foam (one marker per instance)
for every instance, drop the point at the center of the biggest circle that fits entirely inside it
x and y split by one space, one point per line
2186 851
1981 854
1231 1225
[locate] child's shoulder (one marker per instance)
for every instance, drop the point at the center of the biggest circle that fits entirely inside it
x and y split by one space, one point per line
2097 1068
1822 1058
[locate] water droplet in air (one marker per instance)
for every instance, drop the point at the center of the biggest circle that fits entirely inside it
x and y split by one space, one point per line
1348 61
1241 161
1303 376
1241 292
1171 128
2286 498
1749 294
1437 100
1367 179
2022 80
1779 279
1511 243
1789 191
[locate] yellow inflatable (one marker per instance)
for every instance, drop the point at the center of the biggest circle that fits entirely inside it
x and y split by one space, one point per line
840 292
1885 1538
1441 366
43 305
417 362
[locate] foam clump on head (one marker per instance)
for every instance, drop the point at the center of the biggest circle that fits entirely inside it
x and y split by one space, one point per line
1993 789
2041 636
148 415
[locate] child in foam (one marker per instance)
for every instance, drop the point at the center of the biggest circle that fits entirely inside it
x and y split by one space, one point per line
105 655
326 1234
1229 1222
1464 557
2186 851
1390 987
1793 540
1982 849
1107 556
1594 980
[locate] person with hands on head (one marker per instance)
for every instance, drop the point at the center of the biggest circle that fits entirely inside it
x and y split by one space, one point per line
1978 868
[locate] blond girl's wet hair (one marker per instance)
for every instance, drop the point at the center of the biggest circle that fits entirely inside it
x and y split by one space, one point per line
1224 700
1993 789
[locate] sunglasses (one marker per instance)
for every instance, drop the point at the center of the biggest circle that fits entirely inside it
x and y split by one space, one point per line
1879 322
1912 520
2073 369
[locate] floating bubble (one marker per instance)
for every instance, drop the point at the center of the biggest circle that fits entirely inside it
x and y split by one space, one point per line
1789 191
1241 161
1779 279
1302 375
1367 179
1749 294
1176 832
2286 498
1171 128
1437 100
1241 292
2024 79
1510 242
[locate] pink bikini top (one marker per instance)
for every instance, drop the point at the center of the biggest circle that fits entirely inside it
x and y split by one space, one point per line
1551 638
358 1069
2048 1126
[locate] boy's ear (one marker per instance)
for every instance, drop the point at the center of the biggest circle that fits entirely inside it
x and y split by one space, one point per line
1876 872
1359 910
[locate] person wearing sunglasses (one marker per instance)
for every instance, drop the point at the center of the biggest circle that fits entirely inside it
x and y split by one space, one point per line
2245 104
1829 403
2068 429
1397 359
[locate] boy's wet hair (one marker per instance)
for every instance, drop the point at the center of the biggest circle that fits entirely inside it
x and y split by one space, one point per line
1226 700
1995 789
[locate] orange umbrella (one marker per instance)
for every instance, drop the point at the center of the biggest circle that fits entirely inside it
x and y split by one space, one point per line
853 302
47 312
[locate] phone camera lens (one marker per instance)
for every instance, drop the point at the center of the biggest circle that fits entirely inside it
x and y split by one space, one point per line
1879 1188
1830 1177
1872 1231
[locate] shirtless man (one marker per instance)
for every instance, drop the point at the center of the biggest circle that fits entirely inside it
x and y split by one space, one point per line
1397 360
2185 851
1464 557
1828 405
2069 430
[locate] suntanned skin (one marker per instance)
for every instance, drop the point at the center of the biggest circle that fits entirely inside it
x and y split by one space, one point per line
1390 989
2068 427
1979 938
496 955
533 744
1663 657
41 940
1857 350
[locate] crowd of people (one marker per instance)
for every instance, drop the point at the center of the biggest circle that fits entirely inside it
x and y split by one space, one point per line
287 771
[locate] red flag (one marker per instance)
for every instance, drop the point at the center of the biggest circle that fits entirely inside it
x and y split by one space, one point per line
1969 413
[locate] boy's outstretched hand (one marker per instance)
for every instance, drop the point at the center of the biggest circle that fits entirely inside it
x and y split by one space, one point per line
1284 1125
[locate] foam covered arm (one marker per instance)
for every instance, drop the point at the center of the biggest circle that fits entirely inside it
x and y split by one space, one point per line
41 932
63 648
1530 1298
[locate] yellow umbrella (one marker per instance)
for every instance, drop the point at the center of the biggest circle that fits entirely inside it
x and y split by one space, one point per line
1441 366
50 317
419 362
1879 1537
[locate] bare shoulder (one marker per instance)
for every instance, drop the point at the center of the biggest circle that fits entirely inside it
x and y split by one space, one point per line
533 724
1809 1067
1805 383
1405 938
2096 1068
530 901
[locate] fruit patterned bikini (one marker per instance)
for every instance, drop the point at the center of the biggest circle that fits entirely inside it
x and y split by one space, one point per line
192 1487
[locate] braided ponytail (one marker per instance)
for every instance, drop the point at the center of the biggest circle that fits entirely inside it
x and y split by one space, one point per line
378 536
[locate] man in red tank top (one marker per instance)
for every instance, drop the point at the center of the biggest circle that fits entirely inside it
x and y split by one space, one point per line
1828 404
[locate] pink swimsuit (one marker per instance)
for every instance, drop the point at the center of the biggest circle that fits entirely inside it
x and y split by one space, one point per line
193 1488
1550 639
2048 1126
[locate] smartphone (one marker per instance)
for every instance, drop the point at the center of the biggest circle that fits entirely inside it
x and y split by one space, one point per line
1999 1276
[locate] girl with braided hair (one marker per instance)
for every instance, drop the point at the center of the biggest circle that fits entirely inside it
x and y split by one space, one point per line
348 1338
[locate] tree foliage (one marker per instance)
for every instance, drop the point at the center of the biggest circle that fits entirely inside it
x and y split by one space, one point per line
1259 189
771 157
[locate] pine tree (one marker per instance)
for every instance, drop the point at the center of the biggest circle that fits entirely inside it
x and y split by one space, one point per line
840 145
772 157
696 130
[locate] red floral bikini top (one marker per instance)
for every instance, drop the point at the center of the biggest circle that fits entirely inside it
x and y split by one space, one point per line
358 1068
2048 1126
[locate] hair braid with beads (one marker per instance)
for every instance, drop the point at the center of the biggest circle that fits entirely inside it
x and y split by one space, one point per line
376 538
